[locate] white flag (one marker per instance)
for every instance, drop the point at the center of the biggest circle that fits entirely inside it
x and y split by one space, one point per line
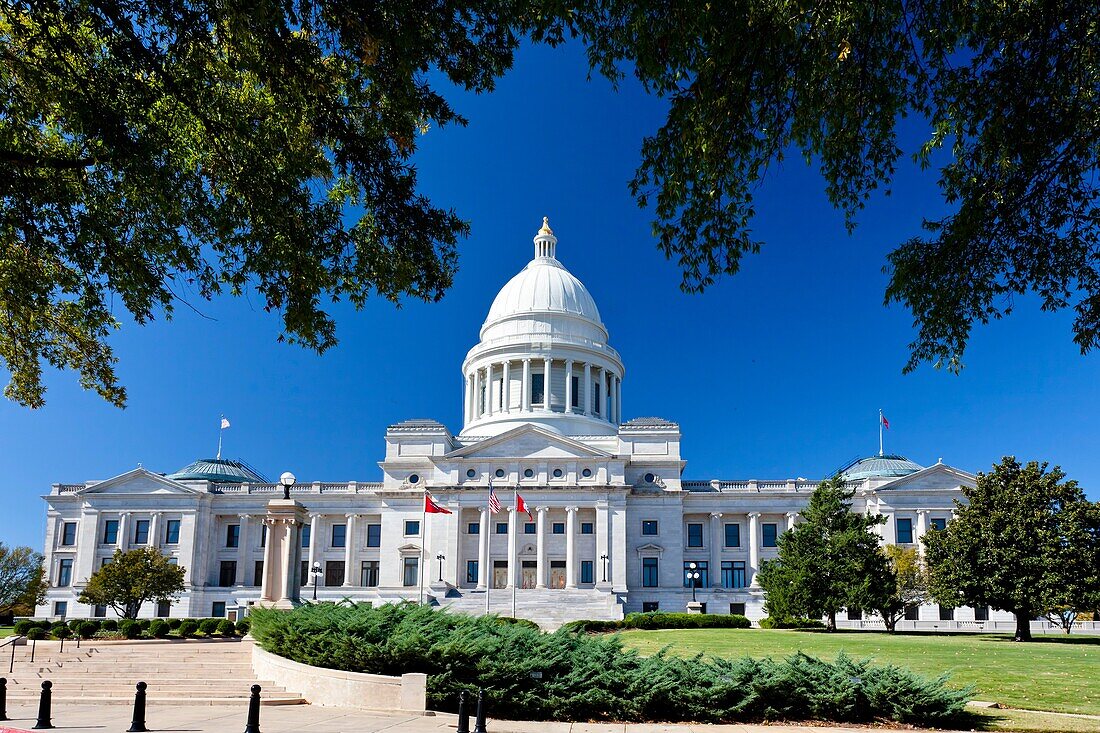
225 423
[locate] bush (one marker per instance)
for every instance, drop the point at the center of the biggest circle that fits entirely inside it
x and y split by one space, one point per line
226 627
87 629
787 622
209 625
244 626
144 623
35 633
109 624
584 677
187 628
23 626
159 629
519 621
130 629
61 631
174 623
660 620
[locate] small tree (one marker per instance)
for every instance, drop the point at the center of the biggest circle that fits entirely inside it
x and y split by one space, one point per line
1025 541
829 562
910 584
22 583
133 578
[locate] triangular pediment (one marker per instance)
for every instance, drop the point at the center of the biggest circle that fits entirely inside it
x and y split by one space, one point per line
528 441
936 477
650 549
138 481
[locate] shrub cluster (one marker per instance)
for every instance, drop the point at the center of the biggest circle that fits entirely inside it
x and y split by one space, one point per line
156 628
788 622
569 676
661 620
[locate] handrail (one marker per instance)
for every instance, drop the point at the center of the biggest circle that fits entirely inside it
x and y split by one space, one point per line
11 640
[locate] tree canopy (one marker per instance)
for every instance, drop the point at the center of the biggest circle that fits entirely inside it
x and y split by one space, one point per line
158 151
910 584
132 579
22 586
1024 541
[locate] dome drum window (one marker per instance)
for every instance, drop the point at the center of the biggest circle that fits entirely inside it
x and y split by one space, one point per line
528 473
414 478
499 473
558 473
586 473
470 473
649 478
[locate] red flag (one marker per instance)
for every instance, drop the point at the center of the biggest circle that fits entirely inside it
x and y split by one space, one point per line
431 507
521 506
885 422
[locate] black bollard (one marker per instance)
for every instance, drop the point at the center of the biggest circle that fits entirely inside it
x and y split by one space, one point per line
479 722
463 714
137 725
253 724
44 707
3 698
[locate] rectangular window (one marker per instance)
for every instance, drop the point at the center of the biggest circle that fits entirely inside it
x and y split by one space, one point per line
733 535
305 578
733 574
650 606
473 528
172 532
110 532
65 573
258 573
939 523
306 532
263 535
412 527
368 576
529 528
586 527
981 613
537 389
649 526
502 528
99 611
912 612
227 573
695 535
68 534
232 535
587 572
905 530
650 578
374 535
410 566
596 397
703 581
164 609
737 609
576 396
946 614
60 608
141 532
471 571
558 528
334 573
855 614
217 609
769 533
339 535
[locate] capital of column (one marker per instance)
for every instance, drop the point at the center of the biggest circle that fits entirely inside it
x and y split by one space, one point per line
922 512
315 515
572 509
716 515
244 517
351 516
792 515
754 515
542 509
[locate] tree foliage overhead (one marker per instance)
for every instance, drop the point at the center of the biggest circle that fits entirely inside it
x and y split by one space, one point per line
910 584
22 586
1024 541
132 579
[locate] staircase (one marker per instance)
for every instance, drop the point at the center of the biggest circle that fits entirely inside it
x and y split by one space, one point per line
185 672
549 608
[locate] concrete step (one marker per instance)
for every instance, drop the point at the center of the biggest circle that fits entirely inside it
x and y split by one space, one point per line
266 698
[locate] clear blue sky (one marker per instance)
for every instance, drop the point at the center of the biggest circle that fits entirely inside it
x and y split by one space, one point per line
778 372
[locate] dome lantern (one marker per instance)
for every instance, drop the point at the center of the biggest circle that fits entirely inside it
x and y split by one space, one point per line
545 242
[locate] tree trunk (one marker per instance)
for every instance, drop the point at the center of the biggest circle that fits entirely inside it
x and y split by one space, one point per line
1023 626
891 622
831 624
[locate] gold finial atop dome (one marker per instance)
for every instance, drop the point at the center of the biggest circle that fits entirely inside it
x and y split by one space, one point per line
546 226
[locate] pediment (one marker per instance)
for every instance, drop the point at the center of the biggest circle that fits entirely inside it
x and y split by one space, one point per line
138 482
650 549
528 441
409 549
936 477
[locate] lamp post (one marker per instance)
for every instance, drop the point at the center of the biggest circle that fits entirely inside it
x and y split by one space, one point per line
693 575
604 559
315 571
441 558
287 480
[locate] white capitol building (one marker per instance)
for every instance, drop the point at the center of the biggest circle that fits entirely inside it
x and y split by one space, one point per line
614 525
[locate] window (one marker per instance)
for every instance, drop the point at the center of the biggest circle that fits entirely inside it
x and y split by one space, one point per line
905 530
227 573
217 609
306 532
258 573
528 473
939 523
60 608
981 613
232 535
587 572
596 397
558 528
110 532
374 535
946 614
305 578
586 473
586 527
650 577
172 532
68 534
334 573
414 478
263 535
471 571
855 614
575 399
529 528
99 611
650 606
368 575
502 528
410 567
537 388
703 581
737 609
649 526
172 561
141 532
473 528
164 609
499 473
65 573
470 473
558 473
733 535
339 535
695 535
912 612
412 527
733 574
770 532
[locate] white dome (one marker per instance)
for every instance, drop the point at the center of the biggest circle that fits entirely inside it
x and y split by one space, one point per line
544 286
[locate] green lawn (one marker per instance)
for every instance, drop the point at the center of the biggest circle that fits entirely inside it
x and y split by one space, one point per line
6 631
1053 673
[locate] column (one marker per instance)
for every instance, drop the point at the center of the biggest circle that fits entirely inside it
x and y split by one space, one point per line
511 547
792 517
485 383
540 559
242 551
754 547
546 385
568 386
314 538
455 545
601 386
269 556
470 387
570 545
88 534
587 389
618 399
483 551
288 529
154 530
717 540
489 404
349 548
603 544
123 531
922 527
525 397
506 388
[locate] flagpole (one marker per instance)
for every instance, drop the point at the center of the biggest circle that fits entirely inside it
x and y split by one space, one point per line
512 543
488 559
880 432
220 431
423 540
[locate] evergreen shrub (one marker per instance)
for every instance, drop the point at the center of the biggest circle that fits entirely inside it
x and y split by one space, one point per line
662 620
109 624
787 622
174 623
61 631
209 625
23 626
226 627
579 677
87 629
159 629
144 623
187 628
130 629
36 633
243 626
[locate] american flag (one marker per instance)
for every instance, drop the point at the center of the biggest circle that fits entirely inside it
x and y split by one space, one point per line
494 502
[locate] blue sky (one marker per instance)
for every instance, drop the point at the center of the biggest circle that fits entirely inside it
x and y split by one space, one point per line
777 372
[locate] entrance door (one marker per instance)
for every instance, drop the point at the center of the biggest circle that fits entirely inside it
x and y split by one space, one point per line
528 574
557 574
500 573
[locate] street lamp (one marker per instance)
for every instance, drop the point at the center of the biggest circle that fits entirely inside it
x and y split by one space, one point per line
287 480
315 571
693 575
604 559
441 558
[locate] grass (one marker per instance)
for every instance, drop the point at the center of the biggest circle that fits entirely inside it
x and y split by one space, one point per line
6 631
1060 674
1024 721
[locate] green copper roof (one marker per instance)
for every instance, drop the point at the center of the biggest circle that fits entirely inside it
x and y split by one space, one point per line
884 466
219 470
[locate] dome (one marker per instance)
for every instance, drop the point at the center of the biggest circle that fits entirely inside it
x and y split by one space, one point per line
879 466
543 286
218 470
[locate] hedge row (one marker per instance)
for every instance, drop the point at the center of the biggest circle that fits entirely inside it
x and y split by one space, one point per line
570 676
661 620
145 628
787 622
